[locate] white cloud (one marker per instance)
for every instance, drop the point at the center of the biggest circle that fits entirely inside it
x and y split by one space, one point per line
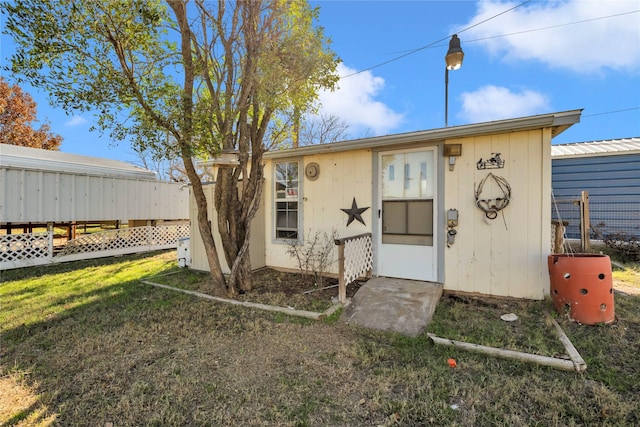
75 121
354 103
595 45
496 103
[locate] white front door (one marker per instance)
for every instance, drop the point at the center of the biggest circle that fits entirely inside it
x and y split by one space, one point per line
407 205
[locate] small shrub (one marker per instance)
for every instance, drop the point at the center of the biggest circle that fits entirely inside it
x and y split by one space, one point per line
314 257
625 245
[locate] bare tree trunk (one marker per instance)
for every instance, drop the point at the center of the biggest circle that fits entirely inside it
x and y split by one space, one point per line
242 274
184 143
241 268
204 226
296 127
234 224
237 202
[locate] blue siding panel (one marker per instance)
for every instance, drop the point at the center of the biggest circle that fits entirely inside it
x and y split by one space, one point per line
613 183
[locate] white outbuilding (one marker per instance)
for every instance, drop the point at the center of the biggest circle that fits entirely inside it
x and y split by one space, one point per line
42 187
467 207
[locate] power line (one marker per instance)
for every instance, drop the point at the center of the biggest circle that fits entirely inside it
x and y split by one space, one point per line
435 44
437 41
493 17
611 112
553 26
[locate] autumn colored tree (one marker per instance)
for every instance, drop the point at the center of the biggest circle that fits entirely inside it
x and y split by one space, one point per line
186 79
17 117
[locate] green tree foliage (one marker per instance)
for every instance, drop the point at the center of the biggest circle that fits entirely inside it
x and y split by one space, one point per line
17 117
183 79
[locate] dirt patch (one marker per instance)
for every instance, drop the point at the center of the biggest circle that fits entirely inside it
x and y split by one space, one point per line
271 287
294 290
626 288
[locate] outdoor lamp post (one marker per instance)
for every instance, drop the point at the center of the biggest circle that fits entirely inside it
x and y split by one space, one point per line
454 58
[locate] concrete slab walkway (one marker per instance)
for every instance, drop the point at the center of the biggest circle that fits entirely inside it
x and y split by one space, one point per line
389 304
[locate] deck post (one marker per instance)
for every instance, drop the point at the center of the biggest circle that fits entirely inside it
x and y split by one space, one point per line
585 225
357 264
50 240
342 285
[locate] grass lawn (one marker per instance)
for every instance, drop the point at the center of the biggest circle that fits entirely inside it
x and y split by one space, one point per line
87 343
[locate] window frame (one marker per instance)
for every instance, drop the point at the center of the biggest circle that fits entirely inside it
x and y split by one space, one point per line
289 198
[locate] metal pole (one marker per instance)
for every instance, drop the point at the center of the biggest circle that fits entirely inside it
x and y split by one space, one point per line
446 97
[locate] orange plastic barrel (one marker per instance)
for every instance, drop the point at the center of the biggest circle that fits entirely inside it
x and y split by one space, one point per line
582 287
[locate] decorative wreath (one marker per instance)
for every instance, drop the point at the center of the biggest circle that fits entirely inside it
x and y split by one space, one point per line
491 207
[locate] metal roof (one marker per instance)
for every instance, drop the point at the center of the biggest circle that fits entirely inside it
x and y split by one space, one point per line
17 157
559 122
596 148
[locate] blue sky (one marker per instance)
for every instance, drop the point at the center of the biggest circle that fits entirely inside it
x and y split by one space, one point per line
540 57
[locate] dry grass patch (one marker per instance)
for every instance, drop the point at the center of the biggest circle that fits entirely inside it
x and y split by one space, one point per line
101 348
626 278
21 405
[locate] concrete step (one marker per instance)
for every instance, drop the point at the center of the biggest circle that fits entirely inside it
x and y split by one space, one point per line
390 304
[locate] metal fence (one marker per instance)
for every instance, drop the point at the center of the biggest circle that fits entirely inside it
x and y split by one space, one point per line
617 217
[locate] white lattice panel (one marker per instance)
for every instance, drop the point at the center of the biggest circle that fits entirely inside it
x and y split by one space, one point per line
126 238
17 247
24 250
168 234
106 241
358 257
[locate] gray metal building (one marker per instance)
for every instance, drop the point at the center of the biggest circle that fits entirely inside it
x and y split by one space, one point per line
610 171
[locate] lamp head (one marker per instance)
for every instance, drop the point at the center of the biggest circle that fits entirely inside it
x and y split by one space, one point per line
455 55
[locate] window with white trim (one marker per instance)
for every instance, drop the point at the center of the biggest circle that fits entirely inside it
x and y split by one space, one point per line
286 200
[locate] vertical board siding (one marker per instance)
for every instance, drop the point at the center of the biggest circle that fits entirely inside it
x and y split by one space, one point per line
505 256
342 177
545 211
196 246
500 242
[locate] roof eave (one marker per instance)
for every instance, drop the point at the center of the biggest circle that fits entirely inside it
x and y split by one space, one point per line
18 157
559 122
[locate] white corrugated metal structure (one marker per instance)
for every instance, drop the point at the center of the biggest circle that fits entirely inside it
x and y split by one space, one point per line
596 148
41 186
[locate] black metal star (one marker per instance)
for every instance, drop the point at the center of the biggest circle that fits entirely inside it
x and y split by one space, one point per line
354 213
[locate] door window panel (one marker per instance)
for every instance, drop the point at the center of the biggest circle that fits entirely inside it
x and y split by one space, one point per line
407 200
408 222
415 180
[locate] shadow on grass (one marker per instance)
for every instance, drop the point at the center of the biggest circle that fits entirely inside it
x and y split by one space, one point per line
129 354
100 347
50 312
34 415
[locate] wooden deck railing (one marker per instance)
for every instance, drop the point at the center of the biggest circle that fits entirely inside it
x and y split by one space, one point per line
355 258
